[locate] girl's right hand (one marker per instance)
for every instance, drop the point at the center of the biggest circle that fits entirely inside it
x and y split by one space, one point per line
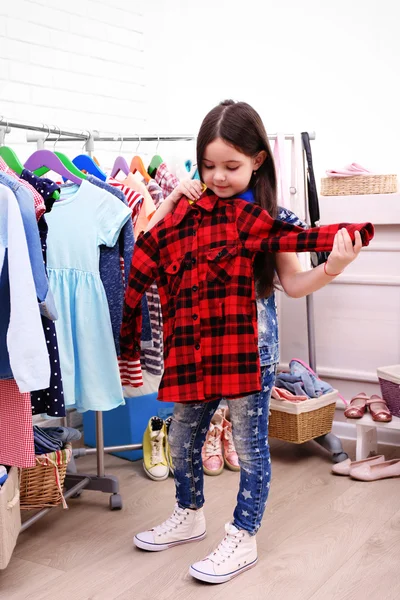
191 188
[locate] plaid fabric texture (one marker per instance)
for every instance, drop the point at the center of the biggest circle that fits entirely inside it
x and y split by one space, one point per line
40 207
17 447
166 180
201 257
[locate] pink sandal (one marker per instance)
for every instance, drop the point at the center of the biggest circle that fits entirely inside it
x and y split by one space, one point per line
380 412
357 406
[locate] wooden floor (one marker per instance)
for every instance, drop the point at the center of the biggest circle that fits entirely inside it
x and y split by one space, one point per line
323 538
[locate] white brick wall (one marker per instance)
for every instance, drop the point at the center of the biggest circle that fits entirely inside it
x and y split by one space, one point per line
78 64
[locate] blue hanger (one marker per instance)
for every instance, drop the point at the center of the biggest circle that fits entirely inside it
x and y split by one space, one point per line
86 163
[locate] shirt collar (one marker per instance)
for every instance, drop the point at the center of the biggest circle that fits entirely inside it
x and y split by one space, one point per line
207 201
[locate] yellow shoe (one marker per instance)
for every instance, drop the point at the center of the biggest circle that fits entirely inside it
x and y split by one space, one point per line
154 459
167 446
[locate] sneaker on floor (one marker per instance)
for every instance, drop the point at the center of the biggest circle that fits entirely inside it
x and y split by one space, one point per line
167 446
211 453
235 554
183 526
154 460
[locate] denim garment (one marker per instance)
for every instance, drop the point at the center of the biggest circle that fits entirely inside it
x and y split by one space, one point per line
26 206
300 381
110 271
249 416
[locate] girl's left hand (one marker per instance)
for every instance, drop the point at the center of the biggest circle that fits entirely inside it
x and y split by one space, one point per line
343 251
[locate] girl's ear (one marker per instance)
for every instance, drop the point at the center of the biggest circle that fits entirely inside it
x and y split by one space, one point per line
259 159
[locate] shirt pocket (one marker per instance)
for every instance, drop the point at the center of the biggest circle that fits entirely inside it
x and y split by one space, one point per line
221 264
174 276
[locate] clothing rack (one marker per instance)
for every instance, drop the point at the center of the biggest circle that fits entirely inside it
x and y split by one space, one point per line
75 482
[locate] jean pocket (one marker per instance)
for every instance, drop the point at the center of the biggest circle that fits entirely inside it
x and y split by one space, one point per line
221 264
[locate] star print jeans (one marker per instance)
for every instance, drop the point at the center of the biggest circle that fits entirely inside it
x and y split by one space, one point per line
249 417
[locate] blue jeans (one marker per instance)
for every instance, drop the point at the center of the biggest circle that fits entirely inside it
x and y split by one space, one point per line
249 417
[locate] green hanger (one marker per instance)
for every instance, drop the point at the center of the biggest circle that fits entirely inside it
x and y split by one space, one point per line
153 166
11 159
68 164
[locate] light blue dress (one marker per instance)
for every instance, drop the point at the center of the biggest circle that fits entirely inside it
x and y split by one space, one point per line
84 218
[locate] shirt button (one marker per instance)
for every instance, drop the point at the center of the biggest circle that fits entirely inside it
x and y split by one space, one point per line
194 261
195 288
197 346
195 317
187 265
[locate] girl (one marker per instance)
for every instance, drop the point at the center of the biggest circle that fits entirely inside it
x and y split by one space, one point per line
214 238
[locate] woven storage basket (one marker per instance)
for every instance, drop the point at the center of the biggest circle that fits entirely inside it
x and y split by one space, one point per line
41 486
10 516
358 185
299 422
389 380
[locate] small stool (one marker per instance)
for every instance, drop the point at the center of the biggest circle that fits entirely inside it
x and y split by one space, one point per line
367 439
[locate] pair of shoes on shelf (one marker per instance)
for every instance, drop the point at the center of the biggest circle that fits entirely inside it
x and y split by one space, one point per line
218 449
157 461
236 553
369 469
377 407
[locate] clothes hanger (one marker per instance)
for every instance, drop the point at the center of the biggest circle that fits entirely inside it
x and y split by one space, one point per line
138 165
86 163
68 164
11 159
155 162
120 165
50 161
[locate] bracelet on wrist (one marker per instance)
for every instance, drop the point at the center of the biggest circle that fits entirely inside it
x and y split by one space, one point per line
330 274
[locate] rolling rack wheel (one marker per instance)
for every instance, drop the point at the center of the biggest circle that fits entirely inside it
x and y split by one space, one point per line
115 502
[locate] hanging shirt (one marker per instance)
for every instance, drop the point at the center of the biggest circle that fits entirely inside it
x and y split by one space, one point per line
166 180
201 257
40 206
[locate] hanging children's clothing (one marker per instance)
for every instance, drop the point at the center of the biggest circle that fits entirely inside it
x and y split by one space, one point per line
201 256
84 218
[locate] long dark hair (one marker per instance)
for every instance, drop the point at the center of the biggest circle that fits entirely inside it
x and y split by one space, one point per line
238 124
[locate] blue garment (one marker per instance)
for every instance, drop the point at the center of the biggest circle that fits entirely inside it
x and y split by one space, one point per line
300 381
85 218
249 417
110 271
45 187
27 208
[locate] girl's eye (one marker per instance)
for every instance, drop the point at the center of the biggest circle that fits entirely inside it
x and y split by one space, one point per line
232 168
208 167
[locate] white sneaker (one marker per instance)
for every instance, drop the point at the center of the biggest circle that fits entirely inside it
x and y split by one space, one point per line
183 526
236 553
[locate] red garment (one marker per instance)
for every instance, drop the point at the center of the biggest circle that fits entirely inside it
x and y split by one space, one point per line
201 257
40 207
17 447
166 180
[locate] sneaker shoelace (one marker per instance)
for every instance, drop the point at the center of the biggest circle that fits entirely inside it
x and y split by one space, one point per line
229 438
213 443
226 548
156 447
178 516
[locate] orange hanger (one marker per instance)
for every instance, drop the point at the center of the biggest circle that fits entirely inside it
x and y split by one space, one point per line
138 165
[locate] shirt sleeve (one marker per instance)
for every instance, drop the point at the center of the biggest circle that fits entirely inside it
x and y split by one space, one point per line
112 215
259 232
143 272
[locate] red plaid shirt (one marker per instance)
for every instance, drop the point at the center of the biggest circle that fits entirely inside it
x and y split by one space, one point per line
201 257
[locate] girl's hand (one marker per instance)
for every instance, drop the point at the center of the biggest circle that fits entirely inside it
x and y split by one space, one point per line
191 188
343 252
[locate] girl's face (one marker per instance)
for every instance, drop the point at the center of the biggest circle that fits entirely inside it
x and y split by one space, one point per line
227 171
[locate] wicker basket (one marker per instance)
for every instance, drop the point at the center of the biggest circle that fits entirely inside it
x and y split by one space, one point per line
389 380
358 185
299 422
41 486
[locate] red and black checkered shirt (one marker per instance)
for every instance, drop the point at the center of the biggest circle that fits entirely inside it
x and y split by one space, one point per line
201 257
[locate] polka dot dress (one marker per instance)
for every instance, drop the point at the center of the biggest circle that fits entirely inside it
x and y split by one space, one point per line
50 401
